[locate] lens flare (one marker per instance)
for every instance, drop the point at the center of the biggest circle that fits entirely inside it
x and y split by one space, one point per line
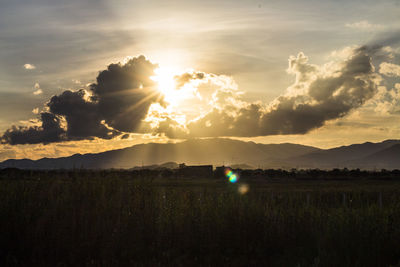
231 176
243 189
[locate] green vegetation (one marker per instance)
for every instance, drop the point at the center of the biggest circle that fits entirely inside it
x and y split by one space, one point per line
105 219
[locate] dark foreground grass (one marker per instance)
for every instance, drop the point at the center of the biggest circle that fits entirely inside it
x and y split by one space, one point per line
94 221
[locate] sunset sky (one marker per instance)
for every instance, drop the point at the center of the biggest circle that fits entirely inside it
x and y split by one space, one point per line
89 76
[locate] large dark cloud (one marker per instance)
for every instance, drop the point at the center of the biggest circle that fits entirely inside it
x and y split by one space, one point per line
330 96
124 93
50 131
117 102
82 115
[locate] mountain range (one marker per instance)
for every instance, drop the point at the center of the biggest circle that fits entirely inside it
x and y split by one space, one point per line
221 151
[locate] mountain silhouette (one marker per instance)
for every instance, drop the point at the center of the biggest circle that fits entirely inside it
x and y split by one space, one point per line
353 156
219 151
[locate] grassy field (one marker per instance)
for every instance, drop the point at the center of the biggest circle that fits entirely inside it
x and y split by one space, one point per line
89 220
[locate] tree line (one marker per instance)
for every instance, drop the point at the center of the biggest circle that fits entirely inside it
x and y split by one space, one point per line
295 174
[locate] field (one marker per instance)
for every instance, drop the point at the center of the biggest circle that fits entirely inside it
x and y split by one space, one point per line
111 220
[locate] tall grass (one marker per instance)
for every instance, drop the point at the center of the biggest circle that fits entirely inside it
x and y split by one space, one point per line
95 221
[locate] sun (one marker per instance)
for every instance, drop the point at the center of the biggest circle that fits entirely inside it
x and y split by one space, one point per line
165 79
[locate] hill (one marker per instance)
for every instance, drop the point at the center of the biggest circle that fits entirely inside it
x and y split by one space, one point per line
220 151
197 151
352 156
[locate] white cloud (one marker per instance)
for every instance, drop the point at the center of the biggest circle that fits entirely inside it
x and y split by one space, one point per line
38 92
37 88
389 69
386 102
29 66
364 25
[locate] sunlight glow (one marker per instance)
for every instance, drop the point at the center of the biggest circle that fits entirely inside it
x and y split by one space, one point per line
165 78
166 84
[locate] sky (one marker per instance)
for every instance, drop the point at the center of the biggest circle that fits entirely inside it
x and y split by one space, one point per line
89 76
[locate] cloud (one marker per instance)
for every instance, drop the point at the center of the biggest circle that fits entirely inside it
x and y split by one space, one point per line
186 77
364 25
28 66
7 154
124 99
389 69
35 111
124 93
387 101
319 94
383 42
116 103
51 130
38 90
212 89
331 92
82 115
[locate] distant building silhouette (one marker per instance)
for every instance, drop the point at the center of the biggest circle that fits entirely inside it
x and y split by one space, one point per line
205 171
220 171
